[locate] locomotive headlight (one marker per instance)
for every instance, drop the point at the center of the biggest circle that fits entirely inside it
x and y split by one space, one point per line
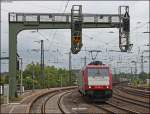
89 86
107 86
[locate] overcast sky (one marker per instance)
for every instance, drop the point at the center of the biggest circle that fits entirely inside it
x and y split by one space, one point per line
60 39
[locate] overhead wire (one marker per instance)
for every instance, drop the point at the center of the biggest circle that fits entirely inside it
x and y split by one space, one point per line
56 30
39 32
50 44
102 42
141 26
53 36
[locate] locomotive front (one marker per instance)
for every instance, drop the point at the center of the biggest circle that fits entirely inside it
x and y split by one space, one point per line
99 81
95 81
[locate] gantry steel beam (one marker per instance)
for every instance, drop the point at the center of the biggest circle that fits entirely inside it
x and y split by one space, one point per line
4 58
62 21
26 21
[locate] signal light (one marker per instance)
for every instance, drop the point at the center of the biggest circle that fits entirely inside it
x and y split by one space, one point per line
76 44
76 39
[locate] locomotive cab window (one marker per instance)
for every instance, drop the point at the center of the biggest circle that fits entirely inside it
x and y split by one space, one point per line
98 72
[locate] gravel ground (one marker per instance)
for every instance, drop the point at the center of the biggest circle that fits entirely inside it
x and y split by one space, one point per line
75 103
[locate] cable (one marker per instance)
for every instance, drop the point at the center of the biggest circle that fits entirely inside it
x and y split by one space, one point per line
56 30
50 44
43 36
136 28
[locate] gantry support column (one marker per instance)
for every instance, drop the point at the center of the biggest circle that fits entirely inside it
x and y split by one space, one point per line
12 60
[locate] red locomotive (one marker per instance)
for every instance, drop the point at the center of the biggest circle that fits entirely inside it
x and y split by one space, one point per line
95 81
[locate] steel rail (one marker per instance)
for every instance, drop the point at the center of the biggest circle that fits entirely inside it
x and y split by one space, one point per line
105 109
59 102
135 92
122 108
130 100
43 105
53 92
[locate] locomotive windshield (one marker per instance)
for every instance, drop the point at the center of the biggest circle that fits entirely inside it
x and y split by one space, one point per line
98 72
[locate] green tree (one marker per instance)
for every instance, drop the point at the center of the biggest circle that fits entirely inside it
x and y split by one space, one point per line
52 77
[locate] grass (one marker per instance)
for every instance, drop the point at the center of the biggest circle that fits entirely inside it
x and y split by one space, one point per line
12 100
1 99
16 99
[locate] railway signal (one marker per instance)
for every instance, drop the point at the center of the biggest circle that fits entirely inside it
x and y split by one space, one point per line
124 29
76 28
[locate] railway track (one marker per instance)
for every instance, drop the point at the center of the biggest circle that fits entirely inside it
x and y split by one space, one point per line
133 91
132 101
113 108
122 98
131 95
60 104
50 102
43 107
106 107
117 95
115 105
47 106
124 104
129 106
146 88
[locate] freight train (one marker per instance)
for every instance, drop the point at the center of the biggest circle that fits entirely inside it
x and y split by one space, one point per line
95 81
